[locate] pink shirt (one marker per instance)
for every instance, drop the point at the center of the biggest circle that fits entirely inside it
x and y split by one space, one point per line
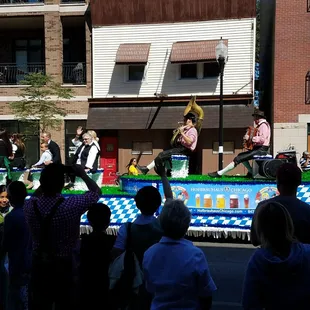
263 135
193 135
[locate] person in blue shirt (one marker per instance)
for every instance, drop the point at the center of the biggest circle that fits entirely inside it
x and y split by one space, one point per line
278 274
17 245
176 272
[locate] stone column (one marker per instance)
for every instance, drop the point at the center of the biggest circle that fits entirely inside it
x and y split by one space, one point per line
53 45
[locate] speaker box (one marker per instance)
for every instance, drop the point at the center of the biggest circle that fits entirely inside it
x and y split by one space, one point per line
267 168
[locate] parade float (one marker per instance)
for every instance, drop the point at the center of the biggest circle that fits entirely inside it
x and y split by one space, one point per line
220 208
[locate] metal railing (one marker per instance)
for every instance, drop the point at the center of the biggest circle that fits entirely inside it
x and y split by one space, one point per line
74 73
13 74
20 1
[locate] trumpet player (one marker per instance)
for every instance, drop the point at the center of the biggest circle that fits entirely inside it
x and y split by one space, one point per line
185 143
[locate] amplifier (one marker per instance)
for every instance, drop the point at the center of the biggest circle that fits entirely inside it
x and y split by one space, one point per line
267 168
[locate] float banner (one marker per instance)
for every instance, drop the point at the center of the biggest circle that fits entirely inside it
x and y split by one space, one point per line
222 197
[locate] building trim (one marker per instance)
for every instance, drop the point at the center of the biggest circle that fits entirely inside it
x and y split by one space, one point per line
42 8
75 117
17 98
234 99
10 117
304 118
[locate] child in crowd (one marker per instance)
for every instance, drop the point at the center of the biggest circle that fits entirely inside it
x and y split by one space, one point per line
17 245
95 259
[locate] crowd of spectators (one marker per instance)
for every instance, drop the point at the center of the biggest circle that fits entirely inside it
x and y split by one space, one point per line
46 264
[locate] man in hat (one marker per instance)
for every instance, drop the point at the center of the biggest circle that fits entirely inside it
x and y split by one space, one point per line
261 146
186 143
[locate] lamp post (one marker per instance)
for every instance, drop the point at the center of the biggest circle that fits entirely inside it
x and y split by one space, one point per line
221 52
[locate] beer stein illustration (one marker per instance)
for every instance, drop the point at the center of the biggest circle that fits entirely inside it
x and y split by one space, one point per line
234 202
246 201
207 201
197 197
220 201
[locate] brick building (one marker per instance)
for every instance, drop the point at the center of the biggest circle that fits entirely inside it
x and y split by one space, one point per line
285 63
49 36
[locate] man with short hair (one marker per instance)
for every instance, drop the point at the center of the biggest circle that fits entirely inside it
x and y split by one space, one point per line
288 180
185 145
305 161
53 147
54 223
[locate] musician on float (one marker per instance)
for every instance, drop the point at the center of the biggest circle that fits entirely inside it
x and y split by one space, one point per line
185 144
261 143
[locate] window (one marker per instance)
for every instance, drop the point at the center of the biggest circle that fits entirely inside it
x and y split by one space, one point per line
141 147
188 71
29 131
136 73
229 147
211 69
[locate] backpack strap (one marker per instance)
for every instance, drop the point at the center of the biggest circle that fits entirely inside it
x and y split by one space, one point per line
128 241
47 219
45 222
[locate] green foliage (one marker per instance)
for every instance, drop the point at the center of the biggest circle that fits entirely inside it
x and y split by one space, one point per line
39 100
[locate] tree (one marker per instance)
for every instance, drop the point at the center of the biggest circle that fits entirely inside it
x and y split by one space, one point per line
40 101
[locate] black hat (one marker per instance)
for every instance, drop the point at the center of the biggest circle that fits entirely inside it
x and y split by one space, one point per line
190 116
259 113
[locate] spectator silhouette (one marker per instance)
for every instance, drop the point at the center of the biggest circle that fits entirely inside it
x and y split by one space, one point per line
54 224
288 180
176 272
95 259
145 230
278 274
17 244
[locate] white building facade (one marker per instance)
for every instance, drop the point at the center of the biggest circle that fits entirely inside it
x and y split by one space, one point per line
159 74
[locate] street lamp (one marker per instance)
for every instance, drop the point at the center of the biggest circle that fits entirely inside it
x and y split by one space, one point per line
221 52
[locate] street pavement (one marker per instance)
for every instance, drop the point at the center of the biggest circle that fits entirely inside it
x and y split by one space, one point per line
227 263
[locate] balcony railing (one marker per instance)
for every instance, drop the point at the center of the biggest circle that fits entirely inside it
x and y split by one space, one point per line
20 1
12 74
74 73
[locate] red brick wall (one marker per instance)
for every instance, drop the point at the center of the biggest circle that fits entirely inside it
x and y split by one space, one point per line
292 60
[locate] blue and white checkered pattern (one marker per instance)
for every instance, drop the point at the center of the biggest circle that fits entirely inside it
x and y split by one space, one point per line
222 221
303 193
124 210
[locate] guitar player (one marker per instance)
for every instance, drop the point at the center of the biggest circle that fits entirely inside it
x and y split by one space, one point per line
261 143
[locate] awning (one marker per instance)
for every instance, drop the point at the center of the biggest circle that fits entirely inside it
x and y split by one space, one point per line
194 51
167 118
133 53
